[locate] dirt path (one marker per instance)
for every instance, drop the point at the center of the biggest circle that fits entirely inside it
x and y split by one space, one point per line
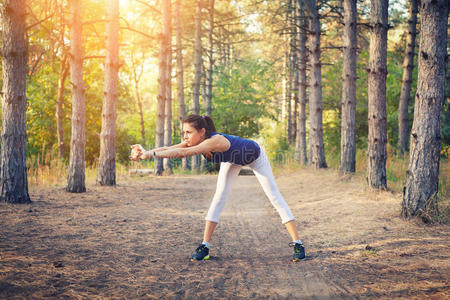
135 241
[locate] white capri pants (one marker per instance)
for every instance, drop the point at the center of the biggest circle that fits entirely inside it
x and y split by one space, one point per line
263 172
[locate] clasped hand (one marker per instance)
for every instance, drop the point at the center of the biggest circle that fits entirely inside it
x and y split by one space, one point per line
138 152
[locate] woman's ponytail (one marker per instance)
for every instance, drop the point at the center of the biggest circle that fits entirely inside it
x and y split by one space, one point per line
199 122
210 128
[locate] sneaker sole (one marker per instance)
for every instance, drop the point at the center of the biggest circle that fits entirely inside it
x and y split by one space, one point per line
204 258
298 259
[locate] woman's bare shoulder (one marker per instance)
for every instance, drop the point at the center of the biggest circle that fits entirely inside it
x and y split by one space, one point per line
219 142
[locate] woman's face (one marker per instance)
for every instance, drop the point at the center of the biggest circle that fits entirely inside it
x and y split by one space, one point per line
193 136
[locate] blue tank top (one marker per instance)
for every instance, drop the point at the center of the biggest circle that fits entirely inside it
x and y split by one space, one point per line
241 152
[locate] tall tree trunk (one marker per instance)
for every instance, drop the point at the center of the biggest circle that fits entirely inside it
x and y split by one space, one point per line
180 79
168 97
14 180
61 86
228 61
198 71
348 118
59 105
76 174
291 66
197 59
316 146
295 112
107 161
211 58
422 176
376 155
408 65
204 86
300 147
164 78
286 87
207 78
296 36
293 72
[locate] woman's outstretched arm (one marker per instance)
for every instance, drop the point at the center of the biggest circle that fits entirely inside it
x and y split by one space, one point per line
207 146
180 145
138 152
213 144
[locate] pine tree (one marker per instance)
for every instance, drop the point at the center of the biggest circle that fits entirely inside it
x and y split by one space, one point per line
107 160
348 119
196 160
422 176
14 180
316 146
408 65
76 174
376 155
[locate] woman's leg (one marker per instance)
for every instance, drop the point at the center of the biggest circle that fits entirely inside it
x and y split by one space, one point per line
227 174
209 229
263 171
292 229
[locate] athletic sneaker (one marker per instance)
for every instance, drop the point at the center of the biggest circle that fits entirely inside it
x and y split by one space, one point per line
299 251
201 253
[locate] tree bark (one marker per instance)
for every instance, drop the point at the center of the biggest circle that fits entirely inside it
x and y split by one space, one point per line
14 180
197 58
61 86
296 25
408 65
211 59
59 105
180 78
348 118
287 89
168 96
208 74
376 155
76 173
107 160
204 86
164 78
291 67
293 74
198 72
316 146
300 147
422 176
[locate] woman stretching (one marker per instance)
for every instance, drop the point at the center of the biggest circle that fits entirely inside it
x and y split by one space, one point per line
232 152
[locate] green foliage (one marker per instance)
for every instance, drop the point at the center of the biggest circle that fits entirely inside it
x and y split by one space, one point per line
275 139
94 80
331 100
446 124
41 119
362 127
332 87
129 133
41 107
393 89
243 94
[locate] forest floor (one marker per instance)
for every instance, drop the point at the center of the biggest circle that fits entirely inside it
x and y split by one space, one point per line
135 240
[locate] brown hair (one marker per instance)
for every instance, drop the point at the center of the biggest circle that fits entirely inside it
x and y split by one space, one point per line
199 122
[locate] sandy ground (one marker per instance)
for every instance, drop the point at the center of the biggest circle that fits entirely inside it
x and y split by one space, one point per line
135 241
